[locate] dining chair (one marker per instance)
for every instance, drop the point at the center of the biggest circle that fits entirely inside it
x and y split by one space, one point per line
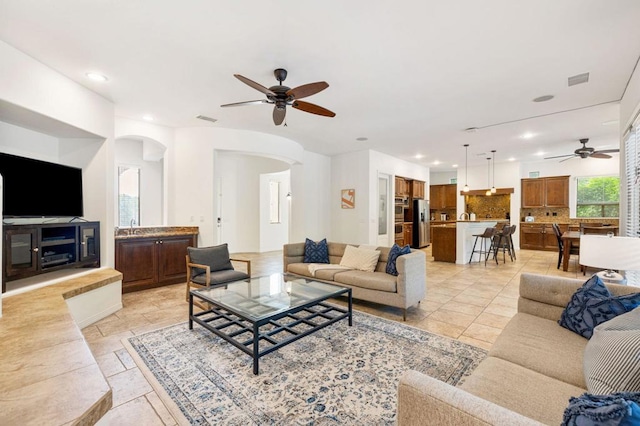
574 250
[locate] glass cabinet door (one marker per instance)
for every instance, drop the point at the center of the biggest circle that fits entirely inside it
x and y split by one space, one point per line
89 242
21 251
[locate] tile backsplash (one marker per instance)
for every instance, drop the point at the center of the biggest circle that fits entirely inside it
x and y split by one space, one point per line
494 206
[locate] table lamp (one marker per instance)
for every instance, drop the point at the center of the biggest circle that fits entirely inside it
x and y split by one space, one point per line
611 253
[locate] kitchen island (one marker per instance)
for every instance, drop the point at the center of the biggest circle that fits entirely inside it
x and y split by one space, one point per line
443 242
465 231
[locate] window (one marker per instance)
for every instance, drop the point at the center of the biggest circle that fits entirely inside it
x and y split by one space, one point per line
274 201
598 196
632 190
128 196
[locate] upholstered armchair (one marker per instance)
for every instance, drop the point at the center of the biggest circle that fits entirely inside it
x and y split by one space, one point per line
212 267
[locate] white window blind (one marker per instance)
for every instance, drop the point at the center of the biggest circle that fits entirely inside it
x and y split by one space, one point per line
632 179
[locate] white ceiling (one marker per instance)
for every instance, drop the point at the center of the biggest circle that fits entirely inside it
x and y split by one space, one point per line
409 75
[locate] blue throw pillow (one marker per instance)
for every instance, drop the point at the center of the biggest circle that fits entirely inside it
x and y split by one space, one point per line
617 409
316 252
393 256
592 304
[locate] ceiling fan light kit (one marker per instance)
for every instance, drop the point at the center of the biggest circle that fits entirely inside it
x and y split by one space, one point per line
281 96
585 152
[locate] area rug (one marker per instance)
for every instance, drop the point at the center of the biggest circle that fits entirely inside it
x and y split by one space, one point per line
338 375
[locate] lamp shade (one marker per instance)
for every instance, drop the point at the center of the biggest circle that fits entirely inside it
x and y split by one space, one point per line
601 251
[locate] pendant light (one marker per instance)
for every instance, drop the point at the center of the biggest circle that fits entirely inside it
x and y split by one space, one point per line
493 188
488 176
466 175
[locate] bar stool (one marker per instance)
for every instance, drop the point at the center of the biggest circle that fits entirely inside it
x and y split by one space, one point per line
486 245
503 241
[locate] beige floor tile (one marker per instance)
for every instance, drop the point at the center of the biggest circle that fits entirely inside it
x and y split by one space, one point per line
501 310
451 317
482 332
492 320
463 308
439 327
128 385
125 359
135 412
110 364
108 344
160 409
472 300
475 342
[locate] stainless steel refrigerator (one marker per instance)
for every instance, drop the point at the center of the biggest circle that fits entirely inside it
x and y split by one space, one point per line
420 223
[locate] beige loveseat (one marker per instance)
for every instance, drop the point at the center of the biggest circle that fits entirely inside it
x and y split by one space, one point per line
531 371
402 291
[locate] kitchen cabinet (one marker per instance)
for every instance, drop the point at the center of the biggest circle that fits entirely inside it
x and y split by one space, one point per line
443 196
402 187
539 236
443 243
545 192
407 233
147 262
417 190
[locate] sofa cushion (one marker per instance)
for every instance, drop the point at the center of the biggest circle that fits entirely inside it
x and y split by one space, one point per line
299 268
371 280
221 277
521 390
359 258
543 346
394 253
216 257
612 356
316 252
593 304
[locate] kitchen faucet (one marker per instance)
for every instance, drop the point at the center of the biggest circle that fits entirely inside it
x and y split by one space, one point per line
464 216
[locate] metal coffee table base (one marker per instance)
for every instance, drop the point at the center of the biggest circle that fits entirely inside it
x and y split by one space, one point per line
273 332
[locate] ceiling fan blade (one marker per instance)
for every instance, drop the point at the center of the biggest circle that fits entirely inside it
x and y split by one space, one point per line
560 156
605 151
278 115
599 154
307 89
312 108
568 158
261 101
255 85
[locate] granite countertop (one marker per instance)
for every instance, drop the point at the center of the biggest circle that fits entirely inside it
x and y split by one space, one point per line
154 231
485 220
49 375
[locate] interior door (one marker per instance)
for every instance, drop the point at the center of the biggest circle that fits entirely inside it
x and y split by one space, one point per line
384 210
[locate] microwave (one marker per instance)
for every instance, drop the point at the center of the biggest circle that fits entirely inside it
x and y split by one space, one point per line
398 212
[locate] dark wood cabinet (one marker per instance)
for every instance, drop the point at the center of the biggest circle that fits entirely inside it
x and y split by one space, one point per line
417 190
443 196
402 187
408 233
35 249
443 243
539 236
147 262
545 192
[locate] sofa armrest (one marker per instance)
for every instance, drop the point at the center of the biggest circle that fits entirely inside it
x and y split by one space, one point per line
292 253
412 276
423 400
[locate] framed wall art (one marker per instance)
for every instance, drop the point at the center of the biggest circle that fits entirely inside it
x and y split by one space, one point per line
348 198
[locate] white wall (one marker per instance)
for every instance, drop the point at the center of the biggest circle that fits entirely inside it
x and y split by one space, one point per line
274 235
41 91
129 152
360 171
311 198
443 178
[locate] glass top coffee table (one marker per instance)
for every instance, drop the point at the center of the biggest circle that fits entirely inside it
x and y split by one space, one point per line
262 314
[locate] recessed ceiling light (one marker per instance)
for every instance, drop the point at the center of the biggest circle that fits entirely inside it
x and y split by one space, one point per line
419 156
544 98
455 166
96 76
511 159
362 139
527 135
147 117
436 162
540 153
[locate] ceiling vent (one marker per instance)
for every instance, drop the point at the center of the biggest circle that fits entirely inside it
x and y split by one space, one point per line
205 118
578 79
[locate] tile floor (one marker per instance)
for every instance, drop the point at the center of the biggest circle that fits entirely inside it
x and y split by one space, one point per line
471 303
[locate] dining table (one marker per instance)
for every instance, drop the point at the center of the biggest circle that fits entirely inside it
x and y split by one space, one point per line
569 238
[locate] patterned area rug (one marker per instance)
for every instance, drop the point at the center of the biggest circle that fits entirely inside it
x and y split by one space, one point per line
338 375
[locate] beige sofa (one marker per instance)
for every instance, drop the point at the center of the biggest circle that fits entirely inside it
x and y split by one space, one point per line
530 373
402 291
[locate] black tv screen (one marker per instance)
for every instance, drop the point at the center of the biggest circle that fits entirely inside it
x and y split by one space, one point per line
34 188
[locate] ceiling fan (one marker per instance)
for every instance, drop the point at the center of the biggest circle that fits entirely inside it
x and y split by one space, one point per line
281 96
586 152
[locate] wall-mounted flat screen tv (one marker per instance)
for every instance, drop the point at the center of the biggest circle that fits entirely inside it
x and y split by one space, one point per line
34 188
